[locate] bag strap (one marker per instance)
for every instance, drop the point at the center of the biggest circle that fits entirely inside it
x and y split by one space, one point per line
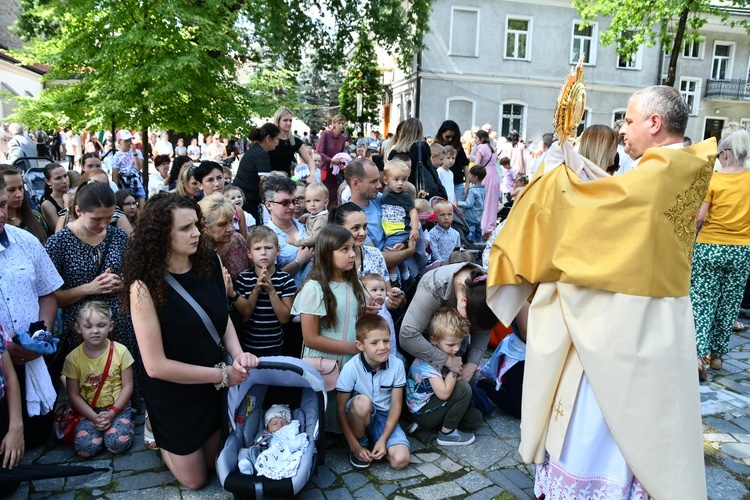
103 258
105 373
190 300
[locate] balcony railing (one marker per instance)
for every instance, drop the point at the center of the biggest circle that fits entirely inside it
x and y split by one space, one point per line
729 90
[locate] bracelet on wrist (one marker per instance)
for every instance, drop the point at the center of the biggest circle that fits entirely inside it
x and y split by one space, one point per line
235 296
224 376
297 262
114 409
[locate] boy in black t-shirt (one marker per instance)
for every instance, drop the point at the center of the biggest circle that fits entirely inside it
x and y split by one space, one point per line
263 296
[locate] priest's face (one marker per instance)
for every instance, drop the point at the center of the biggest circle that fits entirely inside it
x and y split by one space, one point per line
636 130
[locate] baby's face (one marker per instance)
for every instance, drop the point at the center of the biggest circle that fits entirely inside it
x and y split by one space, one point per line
277 423
376 289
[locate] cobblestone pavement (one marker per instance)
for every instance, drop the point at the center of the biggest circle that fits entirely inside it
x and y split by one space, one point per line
490 468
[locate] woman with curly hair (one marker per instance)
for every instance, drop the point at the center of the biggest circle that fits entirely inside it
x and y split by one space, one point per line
182 360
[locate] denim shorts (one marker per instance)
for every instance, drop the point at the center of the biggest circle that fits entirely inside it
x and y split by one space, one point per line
377 426
396 238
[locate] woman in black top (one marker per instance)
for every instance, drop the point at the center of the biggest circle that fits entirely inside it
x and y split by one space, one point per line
184 371
283 156
254 163
54 200
449 135
409 139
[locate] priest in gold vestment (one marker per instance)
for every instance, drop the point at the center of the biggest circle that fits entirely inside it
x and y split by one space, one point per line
611 406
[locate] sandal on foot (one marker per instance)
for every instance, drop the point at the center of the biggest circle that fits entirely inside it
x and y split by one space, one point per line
715 362
739 326
702 375
148 437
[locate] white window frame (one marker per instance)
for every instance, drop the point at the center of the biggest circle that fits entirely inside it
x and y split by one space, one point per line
473 102
524 115
696 93
614 114
530 29
636 58
730 59
478 11
701 50
594 42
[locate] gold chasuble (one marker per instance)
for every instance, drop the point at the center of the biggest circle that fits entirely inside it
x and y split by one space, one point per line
608 265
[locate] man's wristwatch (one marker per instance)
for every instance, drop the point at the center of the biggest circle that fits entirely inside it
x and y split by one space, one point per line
236 296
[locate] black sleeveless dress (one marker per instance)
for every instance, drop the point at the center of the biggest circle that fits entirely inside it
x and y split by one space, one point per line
184 416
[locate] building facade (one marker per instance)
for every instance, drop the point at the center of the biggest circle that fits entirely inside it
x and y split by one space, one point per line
503 63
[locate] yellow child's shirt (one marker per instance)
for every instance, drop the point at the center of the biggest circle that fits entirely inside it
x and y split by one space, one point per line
728 219
89 372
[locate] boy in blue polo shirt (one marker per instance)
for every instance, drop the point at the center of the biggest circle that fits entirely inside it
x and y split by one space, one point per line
370 396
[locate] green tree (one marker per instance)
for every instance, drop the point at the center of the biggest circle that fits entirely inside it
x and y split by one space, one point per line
176 64
318 95
636 23
362 77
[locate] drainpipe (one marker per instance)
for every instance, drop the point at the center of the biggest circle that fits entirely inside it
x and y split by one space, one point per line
661 63
418 86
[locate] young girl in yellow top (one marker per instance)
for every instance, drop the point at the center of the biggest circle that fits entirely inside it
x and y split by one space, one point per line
106 421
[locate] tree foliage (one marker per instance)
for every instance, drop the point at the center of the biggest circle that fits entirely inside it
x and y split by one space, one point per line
318 98
638 22
176 64
362 77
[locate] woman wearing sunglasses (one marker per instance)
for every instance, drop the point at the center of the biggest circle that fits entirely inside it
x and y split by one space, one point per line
449 135
256 162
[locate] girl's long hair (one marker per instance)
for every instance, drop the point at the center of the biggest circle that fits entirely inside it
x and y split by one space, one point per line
484 138
281 112
330 239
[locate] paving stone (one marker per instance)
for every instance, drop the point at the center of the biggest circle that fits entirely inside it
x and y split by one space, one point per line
388 489
141 461
486 494
473 482
721 484
145 481
162 493
519 478
413 459
719 438
506 484
737 450
428 457
324 478
354 481
369 493
448 465
22 493
438 491
313 494
430 470
384 472
735 466
96 480
742 438
505 426
337 459
54 484
410 482
213 490
339 494
32 454
58 455
481 454
97 493
722 425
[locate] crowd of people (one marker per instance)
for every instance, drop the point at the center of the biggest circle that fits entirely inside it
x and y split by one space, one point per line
365 251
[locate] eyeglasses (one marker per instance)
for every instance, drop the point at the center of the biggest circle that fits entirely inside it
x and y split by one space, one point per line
130 204
286 203
448 137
